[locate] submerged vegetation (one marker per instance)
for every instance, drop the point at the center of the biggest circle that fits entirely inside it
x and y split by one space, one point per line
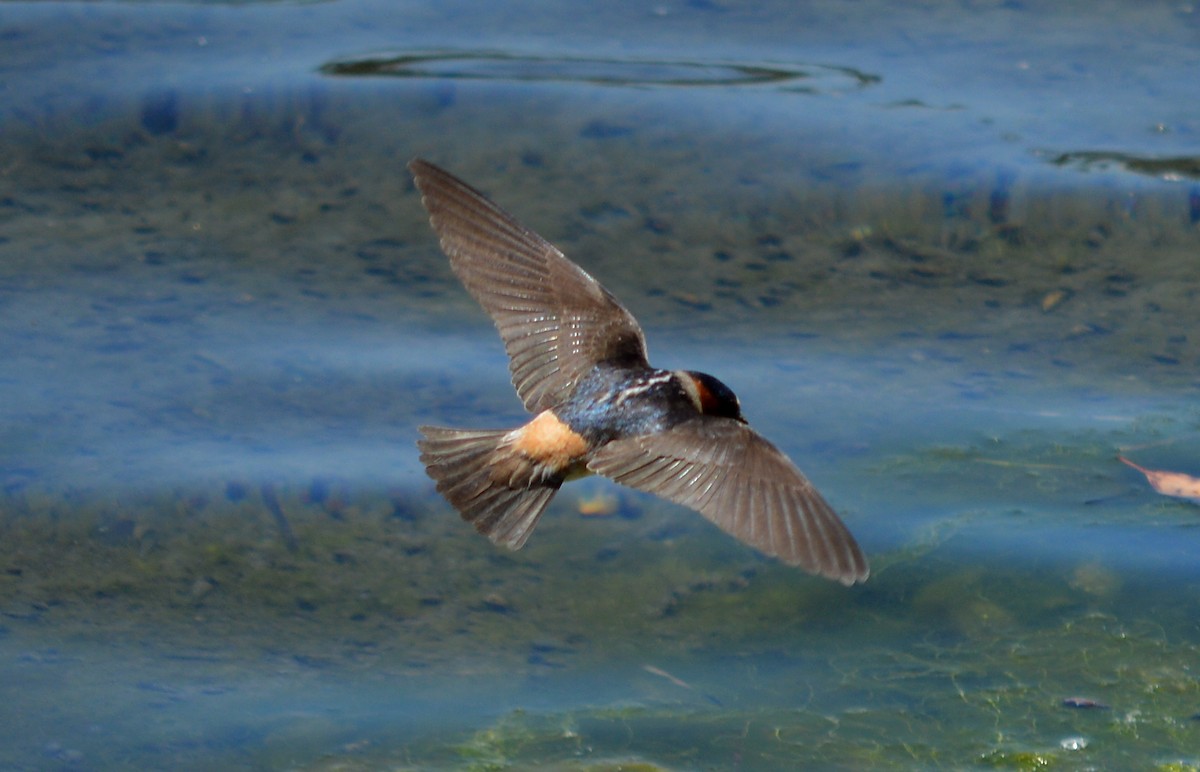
661 643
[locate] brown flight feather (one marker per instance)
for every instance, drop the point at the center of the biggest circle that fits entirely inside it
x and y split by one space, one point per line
729 473
556 321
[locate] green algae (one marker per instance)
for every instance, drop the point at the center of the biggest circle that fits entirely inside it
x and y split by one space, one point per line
992 728
949 664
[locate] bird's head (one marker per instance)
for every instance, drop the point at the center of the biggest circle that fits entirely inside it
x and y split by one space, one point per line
710 396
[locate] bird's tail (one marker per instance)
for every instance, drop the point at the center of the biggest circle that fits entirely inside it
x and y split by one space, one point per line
474 470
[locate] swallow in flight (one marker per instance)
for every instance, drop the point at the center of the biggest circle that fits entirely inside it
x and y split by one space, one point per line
578 362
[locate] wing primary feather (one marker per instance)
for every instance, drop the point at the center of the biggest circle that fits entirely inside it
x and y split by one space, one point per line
731 475
519 277
825 528
780 519
760 516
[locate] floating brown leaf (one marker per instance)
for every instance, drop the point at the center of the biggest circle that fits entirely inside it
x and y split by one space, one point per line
1169 483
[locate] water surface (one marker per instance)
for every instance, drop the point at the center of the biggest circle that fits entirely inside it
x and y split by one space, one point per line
946 255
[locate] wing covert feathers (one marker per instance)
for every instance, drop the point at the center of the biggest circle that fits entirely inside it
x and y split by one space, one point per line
556 321
741 482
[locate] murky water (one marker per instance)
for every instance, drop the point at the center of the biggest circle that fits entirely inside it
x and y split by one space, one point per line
947 256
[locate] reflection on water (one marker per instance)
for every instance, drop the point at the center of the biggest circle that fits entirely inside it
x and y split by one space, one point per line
224 316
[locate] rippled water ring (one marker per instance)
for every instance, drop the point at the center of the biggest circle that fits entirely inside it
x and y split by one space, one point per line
608 72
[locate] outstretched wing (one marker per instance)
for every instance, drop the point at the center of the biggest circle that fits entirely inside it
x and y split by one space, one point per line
556 321
729 473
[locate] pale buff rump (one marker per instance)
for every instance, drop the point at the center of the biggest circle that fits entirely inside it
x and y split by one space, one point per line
549 442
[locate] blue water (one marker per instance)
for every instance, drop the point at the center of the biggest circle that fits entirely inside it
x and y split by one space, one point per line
945 255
